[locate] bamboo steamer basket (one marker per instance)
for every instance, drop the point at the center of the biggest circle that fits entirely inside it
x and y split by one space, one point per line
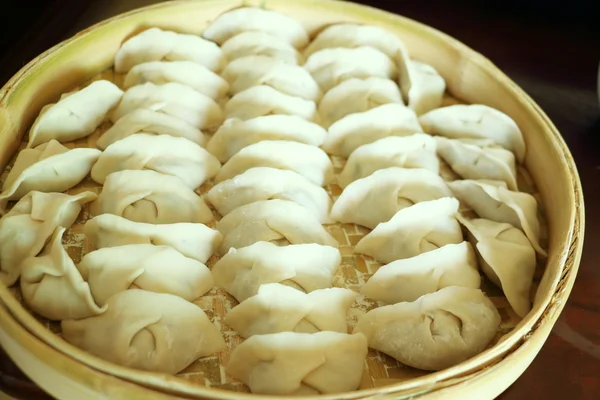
69 373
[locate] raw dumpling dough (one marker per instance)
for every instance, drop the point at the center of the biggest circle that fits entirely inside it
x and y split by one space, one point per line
49 167
166 154
378 197
414 230
148 331
437 331
415 151
76 115
309 161
155 44
290 363
422 86
507 259
244 19
235 134
173 99
263 183
53 287
272 220
254 70
280 308
475 121
196 241
151 197
149 122
261 44
307 267
355 130
196 76
411 278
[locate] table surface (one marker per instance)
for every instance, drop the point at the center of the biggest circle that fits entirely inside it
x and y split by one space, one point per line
551 51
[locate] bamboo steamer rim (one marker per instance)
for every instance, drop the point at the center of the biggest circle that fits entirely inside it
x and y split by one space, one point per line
534 326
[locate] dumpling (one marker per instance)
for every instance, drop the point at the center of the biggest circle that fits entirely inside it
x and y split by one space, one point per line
169 155
309 161
355 96
413 230
378 197
173 99
306 267
492 200
475 121
76 115
196 76
150 197
195 241
148 331
261 44
437 331
53 287
271 220
49 167
160 269
355 130
411 278
258 101
255 70
264 183
235 134
422 86
330 67
300 363
155 44
478 159
149 122
25 229
243 19
280 308
507 259
415 151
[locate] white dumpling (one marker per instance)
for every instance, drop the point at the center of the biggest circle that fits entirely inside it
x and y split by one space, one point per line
189 73
148 331
378 197
411 278
422 86
173 99
437 331
258 101
307 267
53 287
415 151
355 96
492 200
149 122
235 134
413 230
49 167
330 67
166 154
507 259
255 70
290 363
263 44
193 240
309 161
271 220
355 130
475 121
150 197
280 308
76 115
155 44
264 183
243 19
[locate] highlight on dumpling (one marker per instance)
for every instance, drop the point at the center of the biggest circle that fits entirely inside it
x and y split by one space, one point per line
259 43
422 86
